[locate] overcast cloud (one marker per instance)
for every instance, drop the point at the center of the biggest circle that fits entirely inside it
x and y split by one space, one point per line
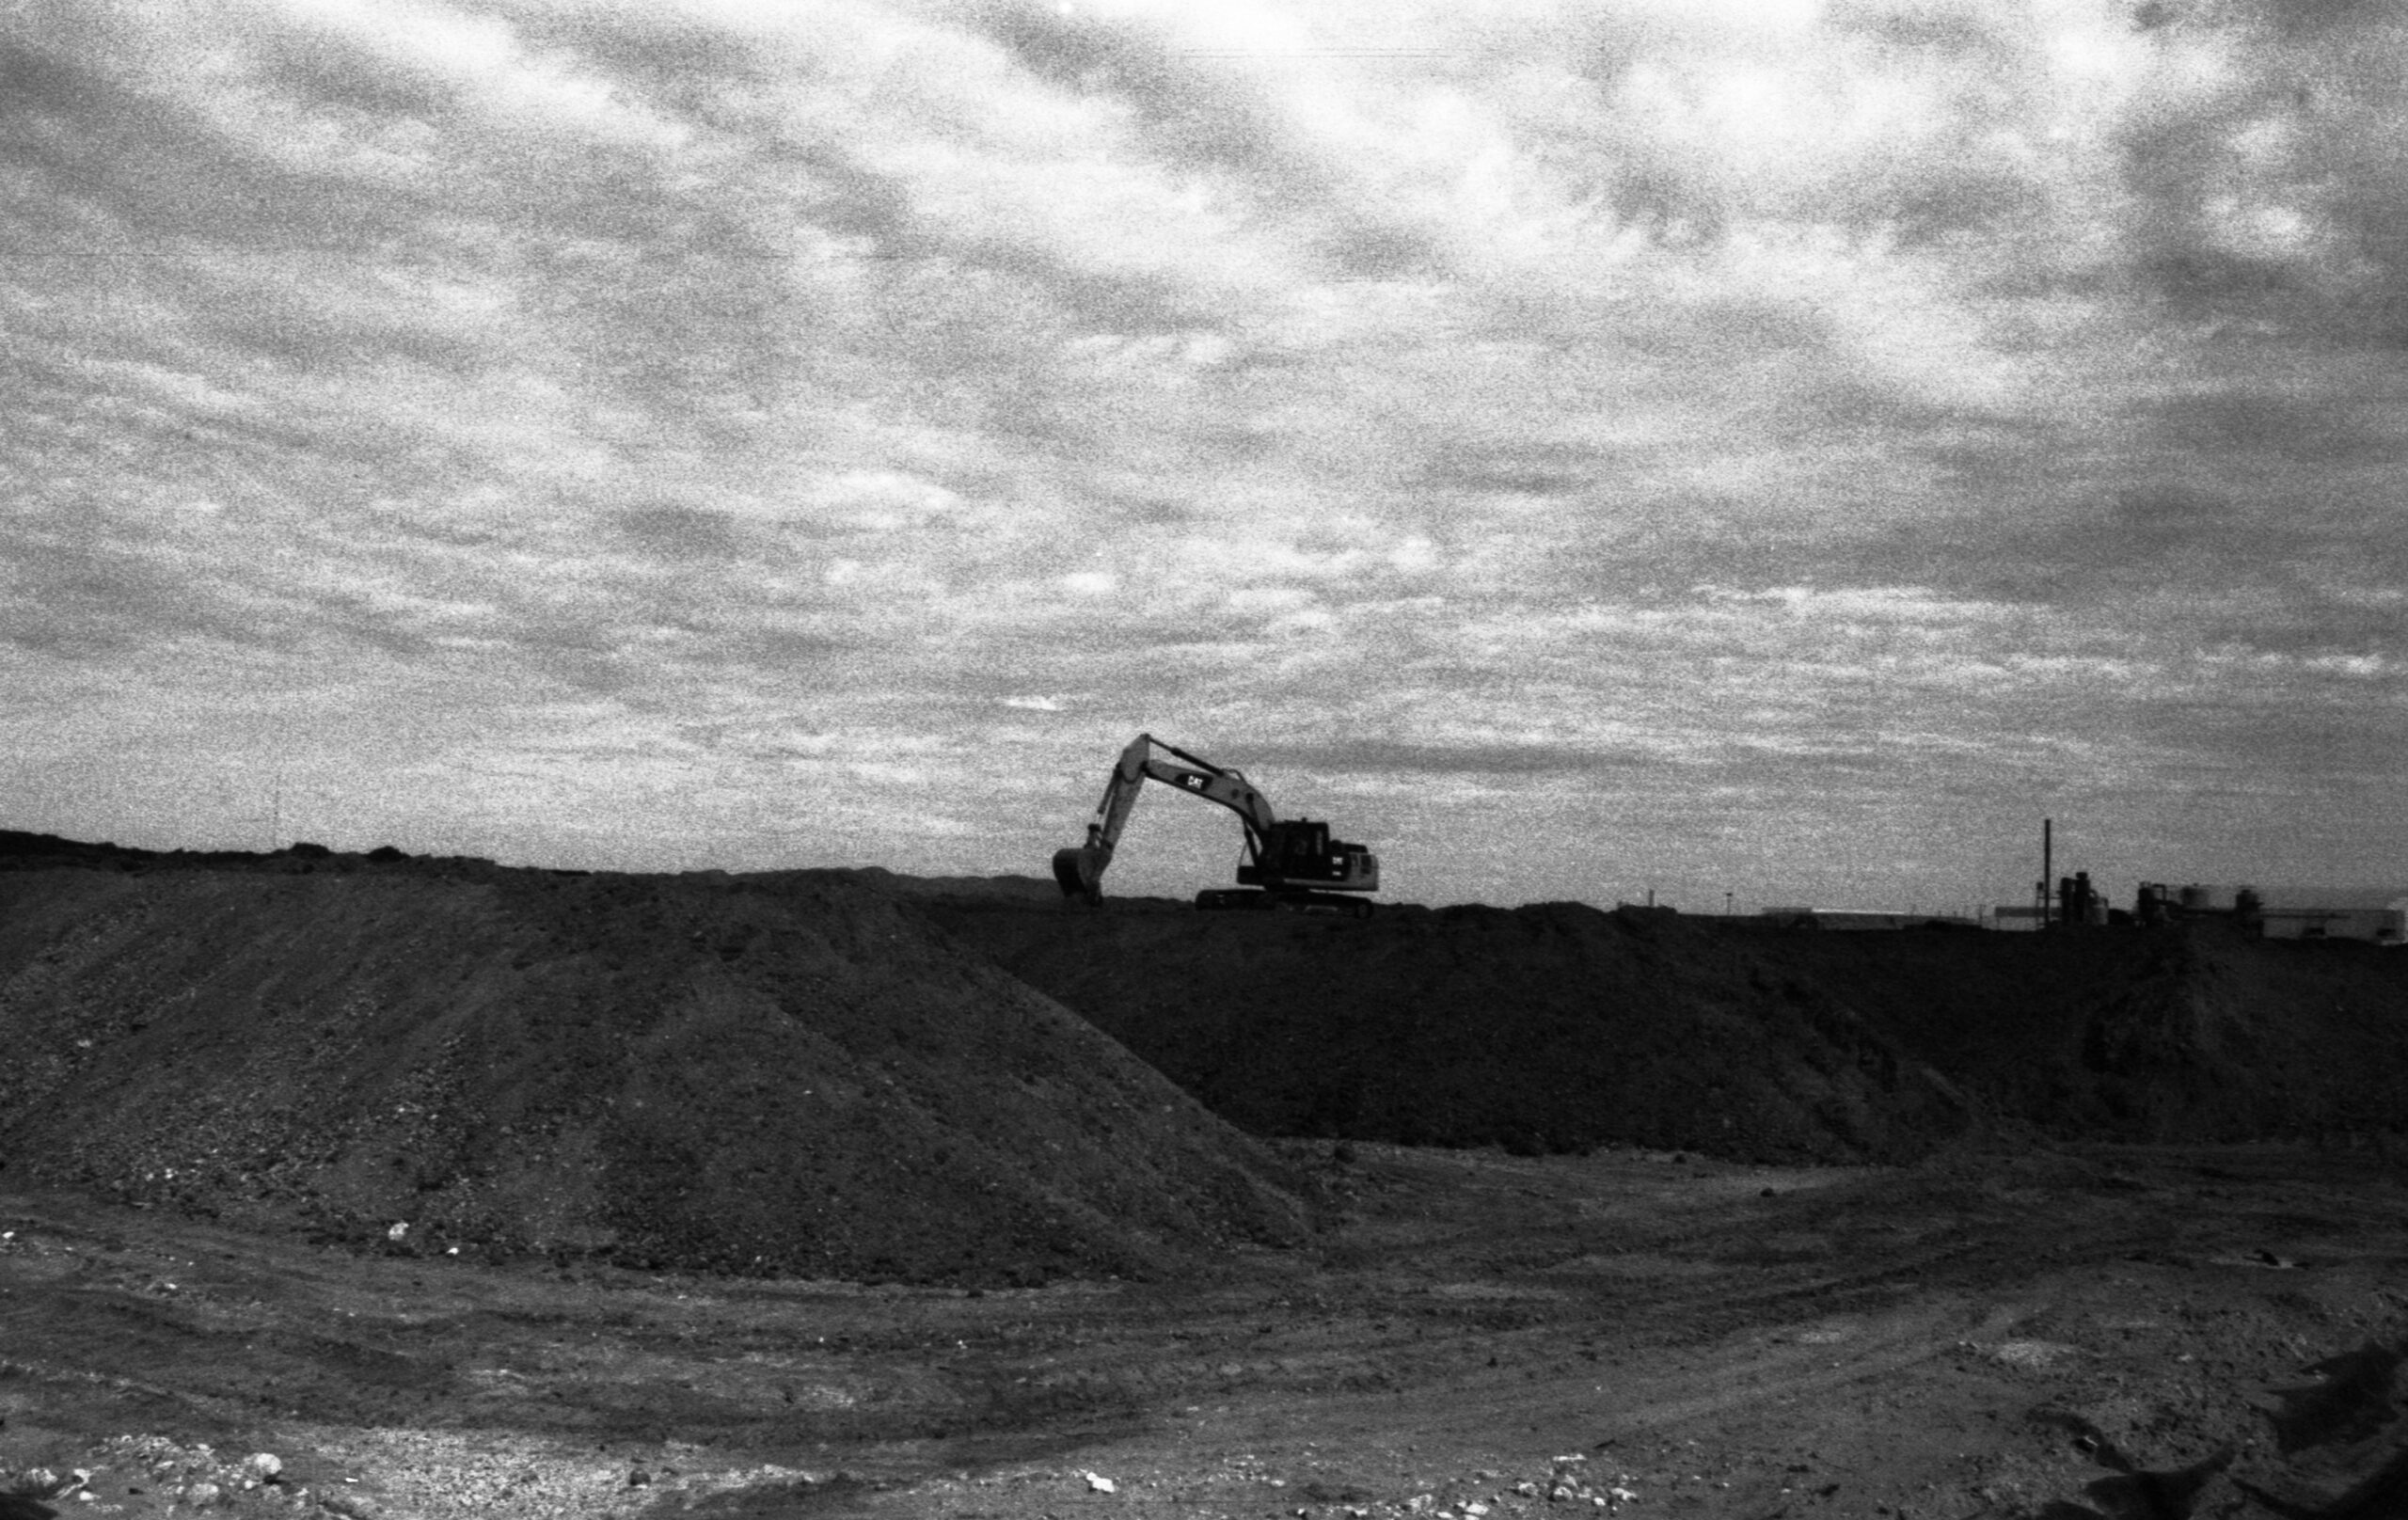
1778 448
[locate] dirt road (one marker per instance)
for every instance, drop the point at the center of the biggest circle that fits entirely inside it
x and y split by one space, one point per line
2099 1330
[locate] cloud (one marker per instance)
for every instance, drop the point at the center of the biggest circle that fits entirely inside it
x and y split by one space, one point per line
1808 401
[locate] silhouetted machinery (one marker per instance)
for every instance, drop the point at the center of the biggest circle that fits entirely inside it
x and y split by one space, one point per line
2158 903
1291 862
2079 902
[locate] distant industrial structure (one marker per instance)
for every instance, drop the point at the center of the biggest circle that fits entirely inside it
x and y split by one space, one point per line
2376 916
2381 917
2075 902
2372 916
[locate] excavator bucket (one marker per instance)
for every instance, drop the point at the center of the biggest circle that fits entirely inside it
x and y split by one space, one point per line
1080 872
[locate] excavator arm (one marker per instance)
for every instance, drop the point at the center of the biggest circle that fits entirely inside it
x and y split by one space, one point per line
1285 857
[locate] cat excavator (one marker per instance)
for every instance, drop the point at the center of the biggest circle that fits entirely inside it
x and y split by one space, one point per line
1290 862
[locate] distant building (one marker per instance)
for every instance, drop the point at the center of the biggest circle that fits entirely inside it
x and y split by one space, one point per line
2379 917
2075 904
2158 903
2207 897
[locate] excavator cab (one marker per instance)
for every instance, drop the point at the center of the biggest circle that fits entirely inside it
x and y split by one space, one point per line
1300 852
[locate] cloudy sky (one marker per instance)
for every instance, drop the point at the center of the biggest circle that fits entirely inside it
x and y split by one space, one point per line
1768 447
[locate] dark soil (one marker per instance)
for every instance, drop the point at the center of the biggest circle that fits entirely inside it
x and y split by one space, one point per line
786 1076
2183 1033
1543 1029
865 1075
2091 1334
795 1195
1560 1027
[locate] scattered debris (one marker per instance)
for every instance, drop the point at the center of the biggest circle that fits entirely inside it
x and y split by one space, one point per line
2031 1355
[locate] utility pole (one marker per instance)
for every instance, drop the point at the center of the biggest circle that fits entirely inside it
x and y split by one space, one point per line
2047 867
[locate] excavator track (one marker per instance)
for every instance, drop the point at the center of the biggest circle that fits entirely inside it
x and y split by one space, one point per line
1242 899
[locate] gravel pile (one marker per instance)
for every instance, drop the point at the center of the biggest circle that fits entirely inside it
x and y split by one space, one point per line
790 1076
147 1472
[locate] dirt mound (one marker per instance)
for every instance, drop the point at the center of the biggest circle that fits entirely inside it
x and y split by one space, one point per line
2185 1033
2341 1442
787 1074
848 1073
1555 1027
1560 1027
1027 889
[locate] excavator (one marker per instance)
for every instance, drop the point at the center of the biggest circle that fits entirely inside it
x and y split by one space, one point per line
1290 862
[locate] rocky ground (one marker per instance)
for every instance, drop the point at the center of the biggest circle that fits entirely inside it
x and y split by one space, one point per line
2058 1333
393 1188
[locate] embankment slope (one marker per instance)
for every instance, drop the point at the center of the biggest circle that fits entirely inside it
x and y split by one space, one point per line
1558 1026
853 1074
1554 1027
2190 1033
790 1074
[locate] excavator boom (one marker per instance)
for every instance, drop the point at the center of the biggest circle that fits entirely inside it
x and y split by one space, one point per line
1280 851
